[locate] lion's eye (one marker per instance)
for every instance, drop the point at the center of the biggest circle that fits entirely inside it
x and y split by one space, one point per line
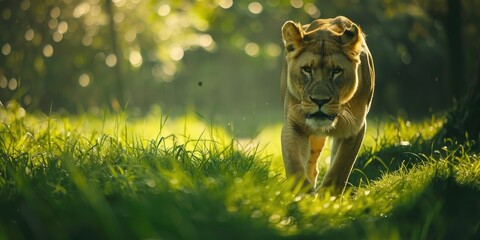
336 72
307 70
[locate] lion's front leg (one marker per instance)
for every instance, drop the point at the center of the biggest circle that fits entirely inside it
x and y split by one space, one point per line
316 147
296 153
344 154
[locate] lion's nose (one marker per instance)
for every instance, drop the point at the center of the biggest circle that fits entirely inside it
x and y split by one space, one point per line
320 102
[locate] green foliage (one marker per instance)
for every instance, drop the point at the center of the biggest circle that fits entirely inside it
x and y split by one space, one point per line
62 51
83 55
67 177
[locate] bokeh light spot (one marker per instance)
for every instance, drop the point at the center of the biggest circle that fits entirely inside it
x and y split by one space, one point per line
3 82
27 99
164 10
255 7
53 23
225 4
273 50
12 84
169 70
48 50
296 3
57 37
87 40
84 80
118 17
29 34
205 40
81 9
55 12
119 3
25 5
252 49
130 35
6 49
111 60
135 58
62 27
176 53
312 10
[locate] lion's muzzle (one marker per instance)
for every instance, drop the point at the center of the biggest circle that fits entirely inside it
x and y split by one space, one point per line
319 114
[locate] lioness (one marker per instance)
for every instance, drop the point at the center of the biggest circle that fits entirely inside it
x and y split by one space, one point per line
327 87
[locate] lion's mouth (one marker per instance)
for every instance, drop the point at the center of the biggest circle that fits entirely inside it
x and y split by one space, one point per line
320 115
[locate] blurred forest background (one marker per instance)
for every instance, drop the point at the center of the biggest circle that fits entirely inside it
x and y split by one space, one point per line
222 58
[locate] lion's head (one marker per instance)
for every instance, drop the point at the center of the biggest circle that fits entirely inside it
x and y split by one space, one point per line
322 59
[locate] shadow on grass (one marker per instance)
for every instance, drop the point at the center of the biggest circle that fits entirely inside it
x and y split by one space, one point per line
391 155
373 163
445 210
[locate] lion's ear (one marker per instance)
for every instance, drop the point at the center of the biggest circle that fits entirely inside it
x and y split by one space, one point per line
292 35
352 38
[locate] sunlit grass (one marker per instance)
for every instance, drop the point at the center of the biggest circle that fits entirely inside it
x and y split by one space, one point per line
115 176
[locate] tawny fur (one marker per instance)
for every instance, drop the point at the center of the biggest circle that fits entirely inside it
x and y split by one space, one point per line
327 60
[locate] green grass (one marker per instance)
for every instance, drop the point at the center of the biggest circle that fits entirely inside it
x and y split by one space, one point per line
111 176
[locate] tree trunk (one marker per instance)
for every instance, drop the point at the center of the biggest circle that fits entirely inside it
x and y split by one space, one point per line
453 27
118 68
